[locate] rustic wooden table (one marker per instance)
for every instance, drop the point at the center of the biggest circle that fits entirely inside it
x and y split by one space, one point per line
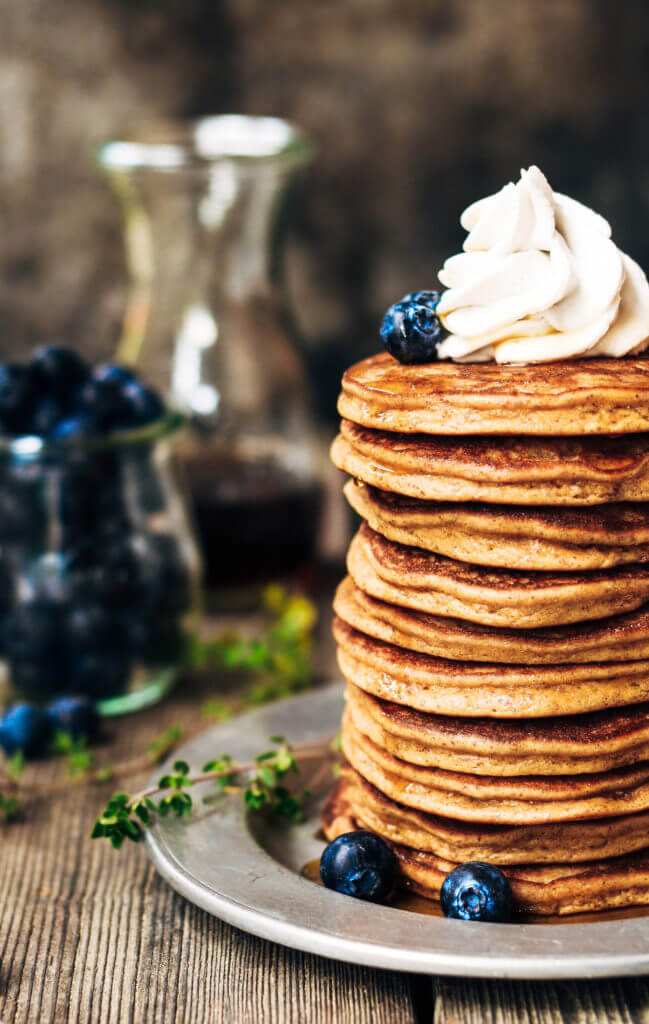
90 935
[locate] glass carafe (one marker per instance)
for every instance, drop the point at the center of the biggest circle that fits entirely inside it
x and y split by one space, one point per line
204 207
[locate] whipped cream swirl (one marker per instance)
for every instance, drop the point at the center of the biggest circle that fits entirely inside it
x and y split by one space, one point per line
539 280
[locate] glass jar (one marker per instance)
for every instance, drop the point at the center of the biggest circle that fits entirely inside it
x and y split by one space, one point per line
98 567
204 208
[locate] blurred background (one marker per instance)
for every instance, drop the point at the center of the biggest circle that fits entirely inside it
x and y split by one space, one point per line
415 108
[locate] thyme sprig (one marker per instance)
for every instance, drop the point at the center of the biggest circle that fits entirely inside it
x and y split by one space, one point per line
259 782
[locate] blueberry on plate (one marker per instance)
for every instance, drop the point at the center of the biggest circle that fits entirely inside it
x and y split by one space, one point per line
476 892
16 395
24 727
58 371
411 330
76 716
359 864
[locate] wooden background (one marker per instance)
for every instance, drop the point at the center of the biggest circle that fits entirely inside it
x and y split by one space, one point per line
416 107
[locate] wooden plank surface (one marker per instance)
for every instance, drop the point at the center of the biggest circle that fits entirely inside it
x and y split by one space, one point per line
93 936
618 1001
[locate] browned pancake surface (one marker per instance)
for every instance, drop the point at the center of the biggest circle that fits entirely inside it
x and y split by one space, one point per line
509 536
503 470
424 581
439 686
616 638
593 742
544 886
603 396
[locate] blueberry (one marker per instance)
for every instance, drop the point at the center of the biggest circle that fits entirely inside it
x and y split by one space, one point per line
37 678
73 500
24 727
91 627
100 674
32 631
76 716
58 371
359 864
47 413
103 399
33 642
145 571
114 372
142 405
423 298
79 427
46 581
476 892
411 331
129 572
16 394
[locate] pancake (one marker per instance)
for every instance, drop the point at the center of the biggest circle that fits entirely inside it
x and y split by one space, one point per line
544 886
502 470
506 536
490 799
571 842
466 688
594 742
413 578
577 396
617 638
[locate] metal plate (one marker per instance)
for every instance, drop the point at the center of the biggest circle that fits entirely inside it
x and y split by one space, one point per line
247 872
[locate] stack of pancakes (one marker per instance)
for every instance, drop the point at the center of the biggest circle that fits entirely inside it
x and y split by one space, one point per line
494 625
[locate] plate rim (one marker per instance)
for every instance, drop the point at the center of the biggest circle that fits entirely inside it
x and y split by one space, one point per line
526 951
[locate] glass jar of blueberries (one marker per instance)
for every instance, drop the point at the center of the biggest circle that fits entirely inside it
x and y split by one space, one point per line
98 566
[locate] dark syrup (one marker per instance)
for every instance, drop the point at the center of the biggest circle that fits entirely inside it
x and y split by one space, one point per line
255 519
404 900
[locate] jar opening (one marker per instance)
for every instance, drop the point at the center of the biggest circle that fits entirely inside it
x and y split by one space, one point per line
29 446
197 144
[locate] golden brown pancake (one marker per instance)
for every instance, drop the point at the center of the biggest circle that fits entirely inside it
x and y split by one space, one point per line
577 396
490 799
502 470
594 742
460 841
464 688
413 578
507 536
616 638
545 886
